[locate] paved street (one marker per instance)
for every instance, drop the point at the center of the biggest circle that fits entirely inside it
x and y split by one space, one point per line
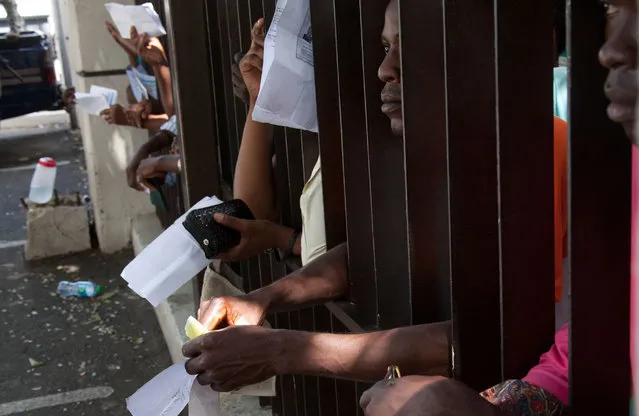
97 350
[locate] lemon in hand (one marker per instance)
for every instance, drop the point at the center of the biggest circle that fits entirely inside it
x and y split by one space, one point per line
194 328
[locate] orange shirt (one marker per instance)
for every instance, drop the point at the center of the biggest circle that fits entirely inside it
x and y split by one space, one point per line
561 202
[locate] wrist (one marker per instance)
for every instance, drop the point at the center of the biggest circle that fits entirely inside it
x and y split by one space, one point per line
168 163
263 297
281 237
288 359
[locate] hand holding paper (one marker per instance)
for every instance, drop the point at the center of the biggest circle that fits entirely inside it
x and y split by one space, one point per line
287 91
143 18
97 100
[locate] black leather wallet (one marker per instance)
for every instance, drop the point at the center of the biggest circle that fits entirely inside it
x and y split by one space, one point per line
212 237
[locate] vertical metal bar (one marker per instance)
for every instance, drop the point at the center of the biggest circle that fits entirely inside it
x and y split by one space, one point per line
193 99
426 158
387 181
472 191
229 100
327 94
234 47
217 71
526 170
194 102
287 382
352 107
600 172
295 169
310 152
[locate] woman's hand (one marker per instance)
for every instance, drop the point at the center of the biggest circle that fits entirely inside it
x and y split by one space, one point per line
251 63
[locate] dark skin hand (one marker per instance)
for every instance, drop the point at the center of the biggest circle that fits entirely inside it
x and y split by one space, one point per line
251 63
232 311
156 167
125 44
257 236
149 49
160 140
68 97
137 113
226 369
115 115
239 87
425 396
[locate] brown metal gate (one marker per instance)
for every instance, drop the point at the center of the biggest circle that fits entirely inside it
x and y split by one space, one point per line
455 220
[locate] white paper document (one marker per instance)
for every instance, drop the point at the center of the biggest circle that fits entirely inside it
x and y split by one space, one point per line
287 89
91 104
168 393
144 18
97 100
170 261
109 94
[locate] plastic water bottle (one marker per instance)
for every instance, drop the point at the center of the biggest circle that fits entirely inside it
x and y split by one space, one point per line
43 181
79 289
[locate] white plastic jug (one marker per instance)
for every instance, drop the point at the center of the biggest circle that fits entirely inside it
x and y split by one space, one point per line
43 181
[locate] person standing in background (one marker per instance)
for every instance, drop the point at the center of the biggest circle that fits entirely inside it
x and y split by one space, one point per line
16 22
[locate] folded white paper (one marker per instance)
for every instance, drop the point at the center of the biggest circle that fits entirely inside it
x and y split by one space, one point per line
143 17
168 393
91 104
170 261
109 94
287 89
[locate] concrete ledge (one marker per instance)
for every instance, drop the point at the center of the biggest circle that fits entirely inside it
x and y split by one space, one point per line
56 230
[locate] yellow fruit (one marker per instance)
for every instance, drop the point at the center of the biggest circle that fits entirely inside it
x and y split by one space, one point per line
194 328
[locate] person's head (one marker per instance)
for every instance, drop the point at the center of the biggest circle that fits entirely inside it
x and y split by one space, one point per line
390 70
619 55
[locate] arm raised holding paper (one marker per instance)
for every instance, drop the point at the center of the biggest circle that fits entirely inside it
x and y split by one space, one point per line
152 52
254 181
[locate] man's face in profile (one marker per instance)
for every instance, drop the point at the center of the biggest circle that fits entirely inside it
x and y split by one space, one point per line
619 55
390 70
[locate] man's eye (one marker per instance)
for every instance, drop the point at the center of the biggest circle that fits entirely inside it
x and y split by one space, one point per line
386 49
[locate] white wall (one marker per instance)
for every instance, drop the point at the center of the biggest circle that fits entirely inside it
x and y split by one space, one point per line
107 148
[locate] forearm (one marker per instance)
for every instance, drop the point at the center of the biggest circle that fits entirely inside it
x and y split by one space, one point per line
163 77
155 122
320 281
253 181
156 143
169 163
133 59
416 350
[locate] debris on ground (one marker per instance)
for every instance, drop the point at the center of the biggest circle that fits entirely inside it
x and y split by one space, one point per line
34 363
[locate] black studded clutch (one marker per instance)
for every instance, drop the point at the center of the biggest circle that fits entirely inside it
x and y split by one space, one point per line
212 237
